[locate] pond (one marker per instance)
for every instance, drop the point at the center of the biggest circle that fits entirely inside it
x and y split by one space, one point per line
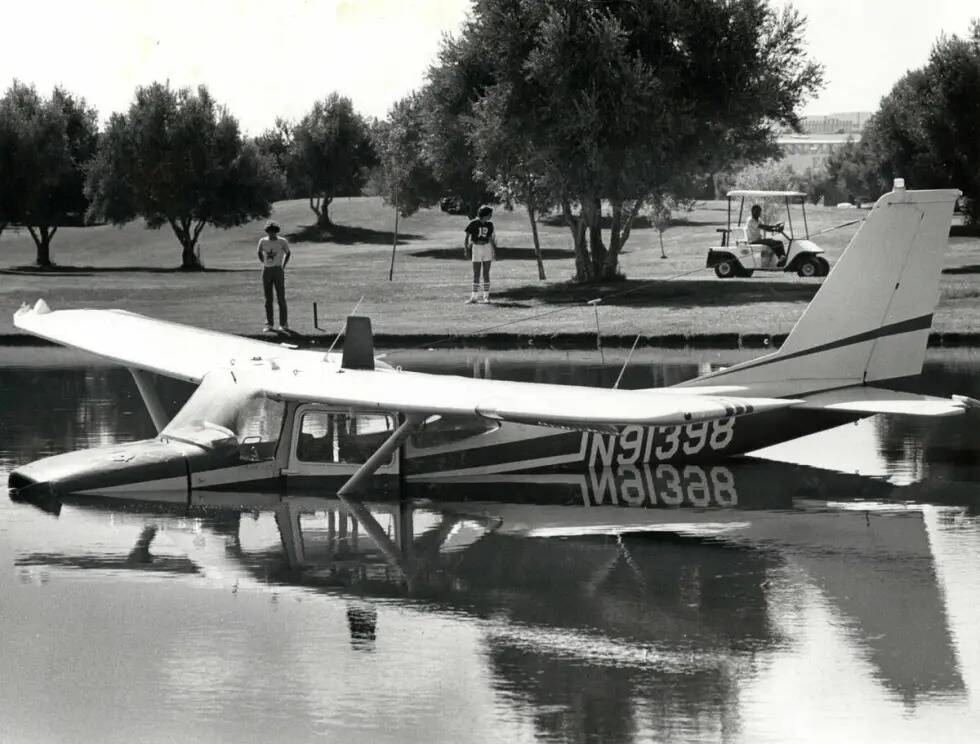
824 589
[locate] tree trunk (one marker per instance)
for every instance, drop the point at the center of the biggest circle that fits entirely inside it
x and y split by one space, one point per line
42 236
583 263
188 258
323 214
394 242
610 261
187 236
532 215
619 233
592 215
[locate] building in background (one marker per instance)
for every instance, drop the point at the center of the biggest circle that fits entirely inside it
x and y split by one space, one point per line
821 136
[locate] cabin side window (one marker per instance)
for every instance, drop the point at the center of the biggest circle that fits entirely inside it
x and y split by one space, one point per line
440 430
328 437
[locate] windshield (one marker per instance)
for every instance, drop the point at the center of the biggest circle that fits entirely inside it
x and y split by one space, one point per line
223 412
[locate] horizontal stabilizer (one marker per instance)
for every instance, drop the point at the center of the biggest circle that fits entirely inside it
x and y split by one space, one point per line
870 400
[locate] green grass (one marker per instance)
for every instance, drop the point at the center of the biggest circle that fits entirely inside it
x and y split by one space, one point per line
134 268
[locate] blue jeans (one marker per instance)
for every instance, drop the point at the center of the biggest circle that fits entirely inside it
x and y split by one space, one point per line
274 277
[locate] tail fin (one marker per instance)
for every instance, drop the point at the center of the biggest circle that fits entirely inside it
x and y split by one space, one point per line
871 318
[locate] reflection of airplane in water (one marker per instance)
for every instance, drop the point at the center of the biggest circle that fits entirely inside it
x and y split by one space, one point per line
670 573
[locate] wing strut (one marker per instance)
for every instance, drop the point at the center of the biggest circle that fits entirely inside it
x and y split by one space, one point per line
150 398
382 454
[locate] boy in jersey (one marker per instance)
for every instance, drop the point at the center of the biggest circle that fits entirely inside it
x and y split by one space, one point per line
480 245
274 254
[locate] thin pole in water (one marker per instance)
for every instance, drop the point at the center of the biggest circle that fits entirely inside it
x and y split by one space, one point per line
626 363
598 331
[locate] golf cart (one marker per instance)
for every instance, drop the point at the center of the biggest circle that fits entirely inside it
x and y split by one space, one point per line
737 257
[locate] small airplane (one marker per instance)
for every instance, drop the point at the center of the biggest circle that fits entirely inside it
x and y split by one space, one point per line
266 417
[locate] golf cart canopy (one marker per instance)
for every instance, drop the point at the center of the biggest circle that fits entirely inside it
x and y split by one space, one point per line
748 193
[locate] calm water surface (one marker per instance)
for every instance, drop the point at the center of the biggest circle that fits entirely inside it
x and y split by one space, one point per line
829 591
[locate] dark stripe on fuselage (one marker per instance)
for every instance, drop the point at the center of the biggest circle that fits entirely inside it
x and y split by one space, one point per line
563 442
906 326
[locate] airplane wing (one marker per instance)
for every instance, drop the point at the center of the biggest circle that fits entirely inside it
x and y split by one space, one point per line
170 349
189 353
567 406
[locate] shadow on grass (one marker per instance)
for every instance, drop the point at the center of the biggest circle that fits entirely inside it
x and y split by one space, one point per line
503 253
666 293
972 269
93 270
642 222
346 235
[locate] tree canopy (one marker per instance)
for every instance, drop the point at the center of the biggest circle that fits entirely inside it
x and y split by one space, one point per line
406 178
177 158
330 154
44 146
616 104
925 129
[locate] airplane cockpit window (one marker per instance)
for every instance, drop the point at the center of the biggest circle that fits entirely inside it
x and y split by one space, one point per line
223 413
258 426
330 437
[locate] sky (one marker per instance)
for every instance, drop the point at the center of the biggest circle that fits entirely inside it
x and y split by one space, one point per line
263 59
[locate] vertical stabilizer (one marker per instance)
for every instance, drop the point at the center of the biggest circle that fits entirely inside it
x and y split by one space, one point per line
871 318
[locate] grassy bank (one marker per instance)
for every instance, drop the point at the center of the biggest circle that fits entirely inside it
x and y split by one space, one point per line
133 268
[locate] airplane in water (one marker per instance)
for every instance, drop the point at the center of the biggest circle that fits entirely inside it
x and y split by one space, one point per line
267 417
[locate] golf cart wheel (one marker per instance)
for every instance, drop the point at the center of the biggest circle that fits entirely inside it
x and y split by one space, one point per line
724 270
808 268
824 266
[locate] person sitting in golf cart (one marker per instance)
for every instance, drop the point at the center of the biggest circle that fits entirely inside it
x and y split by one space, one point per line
753 233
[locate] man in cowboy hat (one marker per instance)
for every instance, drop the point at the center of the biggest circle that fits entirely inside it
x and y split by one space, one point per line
274 255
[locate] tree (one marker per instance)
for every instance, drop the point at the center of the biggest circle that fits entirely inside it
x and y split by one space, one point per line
661 213
617 102
274 143
330 154
177 158
925 129
509 164
44 147
455 83
850 172
405 179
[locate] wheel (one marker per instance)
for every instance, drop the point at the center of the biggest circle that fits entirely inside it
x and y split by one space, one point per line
724 270
824 266
808 268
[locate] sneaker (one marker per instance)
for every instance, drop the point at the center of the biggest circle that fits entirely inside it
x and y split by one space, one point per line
283 327
471 300
267 328
486 299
